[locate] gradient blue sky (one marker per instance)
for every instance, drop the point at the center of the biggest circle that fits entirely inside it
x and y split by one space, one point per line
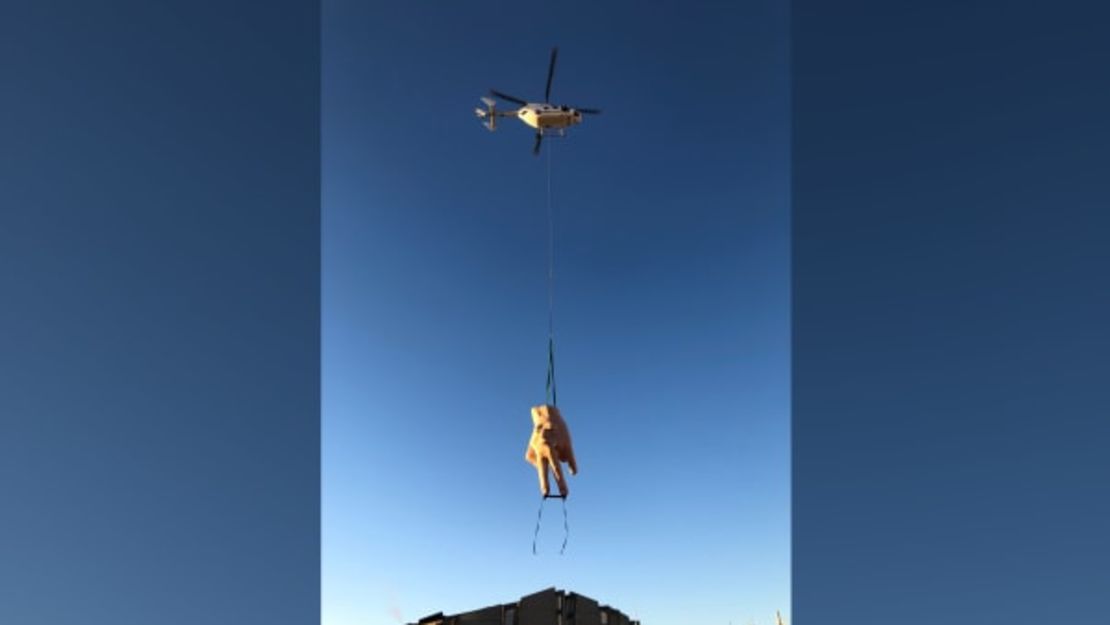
672 309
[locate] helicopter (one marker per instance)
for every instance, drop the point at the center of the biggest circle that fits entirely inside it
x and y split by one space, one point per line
545 117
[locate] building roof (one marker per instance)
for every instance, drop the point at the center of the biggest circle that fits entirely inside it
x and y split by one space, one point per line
546 607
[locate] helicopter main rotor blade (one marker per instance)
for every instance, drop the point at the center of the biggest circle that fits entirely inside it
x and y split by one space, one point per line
586 111
550 74
507 97
536 147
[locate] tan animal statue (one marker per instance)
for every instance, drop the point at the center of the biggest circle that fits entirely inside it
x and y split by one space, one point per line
549 446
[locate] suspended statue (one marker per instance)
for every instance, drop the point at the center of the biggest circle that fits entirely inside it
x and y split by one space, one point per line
550 446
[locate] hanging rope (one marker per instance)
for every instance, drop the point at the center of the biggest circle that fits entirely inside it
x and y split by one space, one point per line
566 527
539 518
536 534
550 392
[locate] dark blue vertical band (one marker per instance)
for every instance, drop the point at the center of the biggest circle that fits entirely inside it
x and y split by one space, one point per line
159 313
950 312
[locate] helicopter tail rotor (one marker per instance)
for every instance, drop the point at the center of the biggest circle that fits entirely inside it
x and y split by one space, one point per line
488 114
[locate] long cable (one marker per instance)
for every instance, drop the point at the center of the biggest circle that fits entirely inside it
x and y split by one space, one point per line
551 318
551 394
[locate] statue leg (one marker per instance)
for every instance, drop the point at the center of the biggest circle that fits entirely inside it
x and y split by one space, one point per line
541 468
557 468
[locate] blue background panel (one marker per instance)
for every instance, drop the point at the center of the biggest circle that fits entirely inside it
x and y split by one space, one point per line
951 431
159 313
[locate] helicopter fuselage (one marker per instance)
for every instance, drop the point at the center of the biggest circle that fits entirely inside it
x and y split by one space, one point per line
545 116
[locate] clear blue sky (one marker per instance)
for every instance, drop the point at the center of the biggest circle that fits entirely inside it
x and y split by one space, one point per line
672 309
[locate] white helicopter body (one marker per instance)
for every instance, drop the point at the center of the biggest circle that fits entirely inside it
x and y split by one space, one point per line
544 116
